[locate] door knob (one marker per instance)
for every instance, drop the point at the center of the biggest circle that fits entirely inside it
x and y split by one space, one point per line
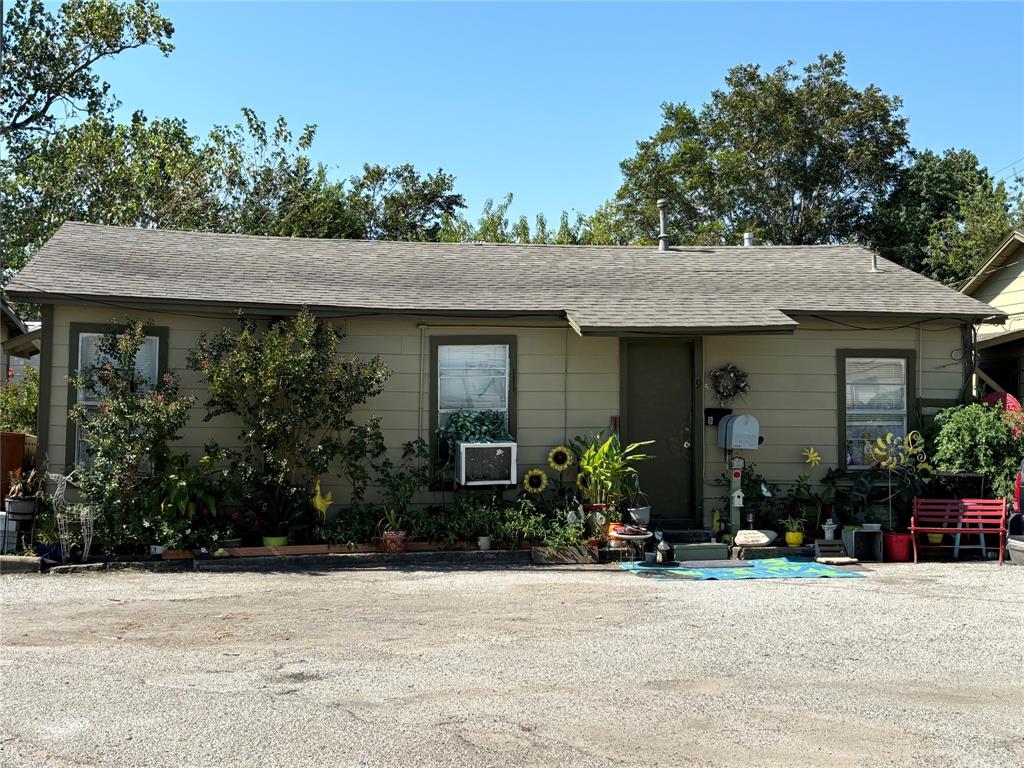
686 444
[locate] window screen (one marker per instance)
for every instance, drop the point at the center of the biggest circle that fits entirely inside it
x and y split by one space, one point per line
472 377
876 404
146 361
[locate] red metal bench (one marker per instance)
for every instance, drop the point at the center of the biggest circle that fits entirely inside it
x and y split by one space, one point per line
959 516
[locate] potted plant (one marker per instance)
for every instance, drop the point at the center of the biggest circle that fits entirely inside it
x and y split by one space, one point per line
605 473
399 483
24 494
277 520
794 531
391 530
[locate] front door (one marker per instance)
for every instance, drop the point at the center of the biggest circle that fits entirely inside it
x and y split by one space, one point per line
657 404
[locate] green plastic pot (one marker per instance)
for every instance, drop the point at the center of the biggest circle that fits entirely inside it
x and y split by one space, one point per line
275 541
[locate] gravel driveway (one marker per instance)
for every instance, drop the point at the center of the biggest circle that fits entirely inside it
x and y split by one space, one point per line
537 667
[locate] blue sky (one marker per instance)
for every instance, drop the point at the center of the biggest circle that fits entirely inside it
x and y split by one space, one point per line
544 100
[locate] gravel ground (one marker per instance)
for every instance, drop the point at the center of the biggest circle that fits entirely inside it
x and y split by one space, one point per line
914 665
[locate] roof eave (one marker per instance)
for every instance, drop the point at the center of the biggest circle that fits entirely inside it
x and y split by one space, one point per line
12 317
980 275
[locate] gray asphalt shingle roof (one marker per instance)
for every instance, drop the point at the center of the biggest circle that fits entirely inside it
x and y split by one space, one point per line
597 287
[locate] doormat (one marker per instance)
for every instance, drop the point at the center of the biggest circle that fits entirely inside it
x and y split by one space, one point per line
771 568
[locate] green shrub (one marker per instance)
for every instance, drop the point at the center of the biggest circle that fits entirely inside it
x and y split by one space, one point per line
127 436
19 403
295 395
983 439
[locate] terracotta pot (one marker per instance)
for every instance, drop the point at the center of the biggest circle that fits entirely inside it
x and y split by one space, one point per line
896 547
394 541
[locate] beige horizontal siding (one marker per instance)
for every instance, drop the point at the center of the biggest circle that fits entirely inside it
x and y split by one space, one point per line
566 385
793 390
1005 291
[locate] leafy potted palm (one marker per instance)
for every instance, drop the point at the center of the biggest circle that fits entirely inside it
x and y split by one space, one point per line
605 474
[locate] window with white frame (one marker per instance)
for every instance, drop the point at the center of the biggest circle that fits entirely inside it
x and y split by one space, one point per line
472 377
147 361
876 404
147 367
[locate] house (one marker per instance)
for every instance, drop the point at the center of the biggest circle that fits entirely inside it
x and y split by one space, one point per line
1000 283
567 340
19 342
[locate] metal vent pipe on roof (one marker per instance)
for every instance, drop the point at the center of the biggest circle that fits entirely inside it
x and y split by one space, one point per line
874 262
748 238
663 234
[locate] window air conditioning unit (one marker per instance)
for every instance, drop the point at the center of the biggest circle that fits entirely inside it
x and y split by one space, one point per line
485 464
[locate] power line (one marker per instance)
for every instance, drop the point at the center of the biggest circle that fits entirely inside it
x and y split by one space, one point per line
1008 165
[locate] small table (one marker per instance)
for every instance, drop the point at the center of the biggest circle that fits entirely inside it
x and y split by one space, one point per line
635 541
873 545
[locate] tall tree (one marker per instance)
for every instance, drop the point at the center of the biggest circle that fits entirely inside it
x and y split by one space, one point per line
143 173
49 60
960 241
944 215
796 159
398 203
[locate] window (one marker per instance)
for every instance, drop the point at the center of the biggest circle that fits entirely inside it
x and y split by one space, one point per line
83 342
146 361
470 373
877 401
472 377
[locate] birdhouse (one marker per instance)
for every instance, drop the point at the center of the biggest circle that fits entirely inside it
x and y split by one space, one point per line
736 499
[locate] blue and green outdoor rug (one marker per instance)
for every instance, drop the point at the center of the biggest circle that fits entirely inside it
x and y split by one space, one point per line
771 568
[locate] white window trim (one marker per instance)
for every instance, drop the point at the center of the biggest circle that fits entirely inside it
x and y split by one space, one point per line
508 376
890 414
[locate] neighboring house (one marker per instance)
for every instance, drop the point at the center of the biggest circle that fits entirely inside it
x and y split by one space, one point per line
569 340
19 342
1000 282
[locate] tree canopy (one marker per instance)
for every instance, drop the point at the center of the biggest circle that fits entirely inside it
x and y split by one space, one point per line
946 213
794 158
49 59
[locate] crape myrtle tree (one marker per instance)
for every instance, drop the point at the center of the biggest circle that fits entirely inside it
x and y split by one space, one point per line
294 395
127 432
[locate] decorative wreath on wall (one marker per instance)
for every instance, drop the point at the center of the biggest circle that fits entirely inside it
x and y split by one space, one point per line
728 382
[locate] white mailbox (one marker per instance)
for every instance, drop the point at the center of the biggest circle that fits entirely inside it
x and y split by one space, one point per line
739 432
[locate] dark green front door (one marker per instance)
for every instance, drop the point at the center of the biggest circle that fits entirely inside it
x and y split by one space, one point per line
657 404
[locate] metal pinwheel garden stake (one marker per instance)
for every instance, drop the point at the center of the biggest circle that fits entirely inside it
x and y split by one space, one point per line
904 457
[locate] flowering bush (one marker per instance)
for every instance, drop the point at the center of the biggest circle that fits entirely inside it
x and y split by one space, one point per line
19 402
983 439
127 437
294 394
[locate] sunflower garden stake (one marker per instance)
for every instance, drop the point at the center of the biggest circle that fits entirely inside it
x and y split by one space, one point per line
905 461
535 481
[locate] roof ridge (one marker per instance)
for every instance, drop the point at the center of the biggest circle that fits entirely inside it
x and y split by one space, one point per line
436 243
